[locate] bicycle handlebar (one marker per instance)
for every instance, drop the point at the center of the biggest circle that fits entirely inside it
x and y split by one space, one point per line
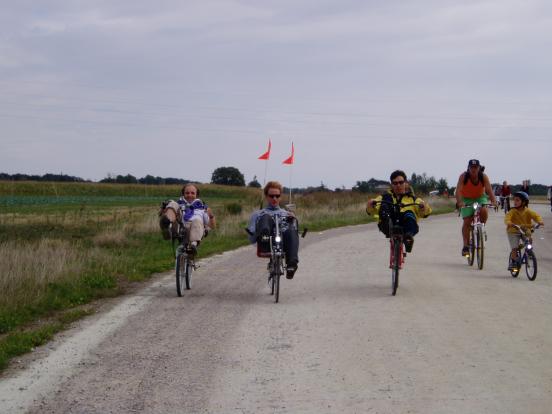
397 204
521 230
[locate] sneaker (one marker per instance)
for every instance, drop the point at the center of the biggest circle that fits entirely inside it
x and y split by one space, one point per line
192 248
408 242
465 251
290 271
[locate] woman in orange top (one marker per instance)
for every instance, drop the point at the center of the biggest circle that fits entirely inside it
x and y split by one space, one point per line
473 186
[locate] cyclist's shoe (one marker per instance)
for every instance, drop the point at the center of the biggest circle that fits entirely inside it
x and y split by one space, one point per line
290 271
408 242
465 251
192 248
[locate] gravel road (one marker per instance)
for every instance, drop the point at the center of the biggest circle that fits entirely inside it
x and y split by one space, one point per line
454 340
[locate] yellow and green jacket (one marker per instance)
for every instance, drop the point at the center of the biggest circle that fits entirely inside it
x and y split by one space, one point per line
406 198
523 217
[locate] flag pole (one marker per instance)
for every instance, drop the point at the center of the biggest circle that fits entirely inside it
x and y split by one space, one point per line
264 183
265 157
290 183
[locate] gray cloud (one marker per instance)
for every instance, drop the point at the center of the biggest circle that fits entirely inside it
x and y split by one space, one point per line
180 88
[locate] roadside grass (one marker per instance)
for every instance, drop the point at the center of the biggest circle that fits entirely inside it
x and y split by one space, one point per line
58 257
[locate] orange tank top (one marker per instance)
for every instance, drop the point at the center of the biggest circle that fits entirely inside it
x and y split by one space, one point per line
471 190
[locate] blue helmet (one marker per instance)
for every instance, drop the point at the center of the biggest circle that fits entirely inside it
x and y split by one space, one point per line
523 195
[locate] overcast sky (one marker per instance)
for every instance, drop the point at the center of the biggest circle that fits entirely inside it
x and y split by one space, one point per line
178 88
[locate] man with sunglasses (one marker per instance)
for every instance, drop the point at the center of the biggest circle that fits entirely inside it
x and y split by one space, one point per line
261 224
400 193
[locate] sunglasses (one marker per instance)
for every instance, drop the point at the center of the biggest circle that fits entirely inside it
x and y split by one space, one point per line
397 182
273 195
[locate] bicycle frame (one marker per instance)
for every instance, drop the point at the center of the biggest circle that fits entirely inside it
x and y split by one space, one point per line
276 265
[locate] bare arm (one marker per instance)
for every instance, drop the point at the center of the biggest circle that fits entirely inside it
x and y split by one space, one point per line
459 189
489 189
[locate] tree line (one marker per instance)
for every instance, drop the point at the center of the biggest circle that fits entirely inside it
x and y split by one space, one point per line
420 183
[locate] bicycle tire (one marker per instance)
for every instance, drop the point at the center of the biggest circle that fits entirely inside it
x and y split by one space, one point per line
480 248
531 265
188 275
471 255
396 267
180 271
276 279
271 283
270 278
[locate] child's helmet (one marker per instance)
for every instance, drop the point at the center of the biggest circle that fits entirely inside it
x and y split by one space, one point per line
523 195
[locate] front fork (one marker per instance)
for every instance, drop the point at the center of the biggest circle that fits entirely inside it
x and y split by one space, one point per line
402 253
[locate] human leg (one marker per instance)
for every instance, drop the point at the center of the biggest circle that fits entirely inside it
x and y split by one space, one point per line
513 240
410 227
466 225
291 246
484 214
263 229
196 230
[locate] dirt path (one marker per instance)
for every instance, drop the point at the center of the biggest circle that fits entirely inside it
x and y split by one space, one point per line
453 340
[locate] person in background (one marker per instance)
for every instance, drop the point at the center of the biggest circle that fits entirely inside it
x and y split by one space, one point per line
525 187
504 194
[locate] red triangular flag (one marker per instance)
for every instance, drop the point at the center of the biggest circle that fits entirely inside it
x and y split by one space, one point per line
266 155
289 160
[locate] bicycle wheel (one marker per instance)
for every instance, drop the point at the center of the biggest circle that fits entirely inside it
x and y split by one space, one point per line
270 280
480 248
396 266
531 265
189 271
471 256
180 267
277 271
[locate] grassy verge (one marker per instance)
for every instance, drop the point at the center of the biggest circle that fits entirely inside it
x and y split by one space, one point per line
64 255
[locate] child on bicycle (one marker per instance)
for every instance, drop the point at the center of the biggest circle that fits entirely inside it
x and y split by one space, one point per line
400 193
523 216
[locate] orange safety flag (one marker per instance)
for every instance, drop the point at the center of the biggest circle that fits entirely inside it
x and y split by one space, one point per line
266 155
289 160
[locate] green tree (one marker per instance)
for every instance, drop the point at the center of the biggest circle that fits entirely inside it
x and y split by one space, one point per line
442 185
228 176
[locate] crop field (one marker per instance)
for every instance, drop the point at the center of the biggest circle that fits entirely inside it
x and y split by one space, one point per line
63 245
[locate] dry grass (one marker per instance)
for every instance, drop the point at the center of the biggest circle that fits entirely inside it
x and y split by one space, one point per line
111 238
27 268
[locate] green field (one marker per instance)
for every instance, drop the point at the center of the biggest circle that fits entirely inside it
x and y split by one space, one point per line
63 245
